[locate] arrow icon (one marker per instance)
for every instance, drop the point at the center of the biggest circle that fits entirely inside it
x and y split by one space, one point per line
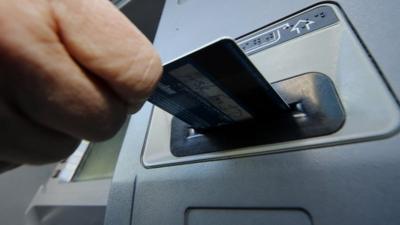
302 24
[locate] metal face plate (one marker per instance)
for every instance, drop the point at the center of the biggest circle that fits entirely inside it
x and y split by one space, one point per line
332 49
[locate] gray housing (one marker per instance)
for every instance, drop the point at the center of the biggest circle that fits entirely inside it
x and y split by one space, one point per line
355 182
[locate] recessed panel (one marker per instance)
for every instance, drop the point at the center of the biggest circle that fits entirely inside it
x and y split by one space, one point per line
247 217
333 49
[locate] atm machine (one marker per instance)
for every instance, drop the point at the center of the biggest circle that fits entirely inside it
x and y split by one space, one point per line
340 165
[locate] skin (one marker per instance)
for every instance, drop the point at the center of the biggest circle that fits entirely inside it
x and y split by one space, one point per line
69 70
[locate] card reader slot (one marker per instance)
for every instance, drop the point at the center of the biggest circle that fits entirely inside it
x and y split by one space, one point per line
316 110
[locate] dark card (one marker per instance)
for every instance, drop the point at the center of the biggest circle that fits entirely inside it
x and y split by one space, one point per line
214 86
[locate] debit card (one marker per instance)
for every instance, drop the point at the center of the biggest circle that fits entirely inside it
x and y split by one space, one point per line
214 86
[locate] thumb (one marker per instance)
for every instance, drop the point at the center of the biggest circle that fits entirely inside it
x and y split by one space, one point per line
102 40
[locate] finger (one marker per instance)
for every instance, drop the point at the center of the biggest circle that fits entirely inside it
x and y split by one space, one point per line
48 86
105 42
25 142
62 97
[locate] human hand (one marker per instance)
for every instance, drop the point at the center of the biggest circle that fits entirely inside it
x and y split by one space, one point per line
69 70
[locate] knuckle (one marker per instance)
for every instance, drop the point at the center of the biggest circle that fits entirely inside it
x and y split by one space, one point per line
152 72
135 82
149 77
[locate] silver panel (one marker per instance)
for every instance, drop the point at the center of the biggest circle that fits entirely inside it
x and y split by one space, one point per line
334 51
